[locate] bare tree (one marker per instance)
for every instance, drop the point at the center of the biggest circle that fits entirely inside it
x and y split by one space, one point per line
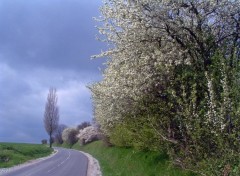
51 114
83 125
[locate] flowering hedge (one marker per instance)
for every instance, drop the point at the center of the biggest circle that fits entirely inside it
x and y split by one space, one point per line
173 80
87 135
69 135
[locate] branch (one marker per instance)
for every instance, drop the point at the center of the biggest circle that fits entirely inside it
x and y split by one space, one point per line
194 9
163 137
174 36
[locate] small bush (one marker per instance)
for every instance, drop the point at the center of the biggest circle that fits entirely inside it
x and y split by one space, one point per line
44 141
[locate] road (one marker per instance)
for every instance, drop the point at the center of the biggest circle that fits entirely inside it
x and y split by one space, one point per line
65 162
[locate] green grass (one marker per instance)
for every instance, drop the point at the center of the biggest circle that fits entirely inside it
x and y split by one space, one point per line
115 161
14 153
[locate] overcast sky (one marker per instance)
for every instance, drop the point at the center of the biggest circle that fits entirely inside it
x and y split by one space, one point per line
43 44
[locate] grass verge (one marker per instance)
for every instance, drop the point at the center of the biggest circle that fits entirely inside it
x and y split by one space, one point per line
115 161
15 153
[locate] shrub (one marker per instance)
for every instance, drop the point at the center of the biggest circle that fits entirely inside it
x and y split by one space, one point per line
173 80
44 141
87 135
69 135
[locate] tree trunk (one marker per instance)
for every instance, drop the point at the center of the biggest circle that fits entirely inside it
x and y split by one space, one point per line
50 140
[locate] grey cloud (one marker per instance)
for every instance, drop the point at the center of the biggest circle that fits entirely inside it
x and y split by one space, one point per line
45 44
23 100
55 34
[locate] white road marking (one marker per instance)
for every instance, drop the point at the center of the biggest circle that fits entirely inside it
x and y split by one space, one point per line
69 154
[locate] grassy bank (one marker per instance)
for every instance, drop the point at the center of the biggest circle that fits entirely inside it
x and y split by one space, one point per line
13 153
115 161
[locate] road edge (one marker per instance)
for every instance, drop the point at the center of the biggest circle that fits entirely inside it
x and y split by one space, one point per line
93 165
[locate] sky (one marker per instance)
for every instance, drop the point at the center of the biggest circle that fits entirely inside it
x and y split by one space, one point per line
44 44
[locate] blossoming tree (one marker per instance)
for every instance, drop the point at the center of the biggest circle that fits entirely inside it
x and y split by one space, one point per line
173 67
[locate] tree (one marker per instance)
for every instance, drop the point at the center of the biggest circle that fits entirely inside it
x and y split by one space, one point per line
44 141
88 134
69 135
149 36
58 134
83 125
174 66
51 114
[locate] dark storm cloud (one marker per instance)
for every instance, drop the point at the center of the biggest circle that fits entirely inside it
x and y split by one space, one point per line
43 44
45 33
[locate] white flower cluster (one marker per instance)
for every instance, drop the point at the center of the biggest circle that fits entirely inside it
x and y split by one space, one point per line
88 134
69 135
147 38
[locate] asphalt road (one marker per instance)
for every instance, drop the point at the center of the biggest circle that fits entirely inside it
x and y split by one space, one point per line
65 162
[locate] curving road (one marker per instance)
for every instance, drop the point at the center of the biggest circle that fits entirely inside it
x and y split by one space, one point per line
65 162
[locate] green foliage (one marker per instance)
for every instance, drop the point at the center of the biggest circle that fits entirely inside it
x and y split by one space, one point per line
204 121
172 81
12 153
135 132
121 136
190 121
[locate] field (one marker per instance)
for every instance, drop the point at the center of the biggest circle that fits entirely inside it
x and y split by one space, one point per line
115 161
15 153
